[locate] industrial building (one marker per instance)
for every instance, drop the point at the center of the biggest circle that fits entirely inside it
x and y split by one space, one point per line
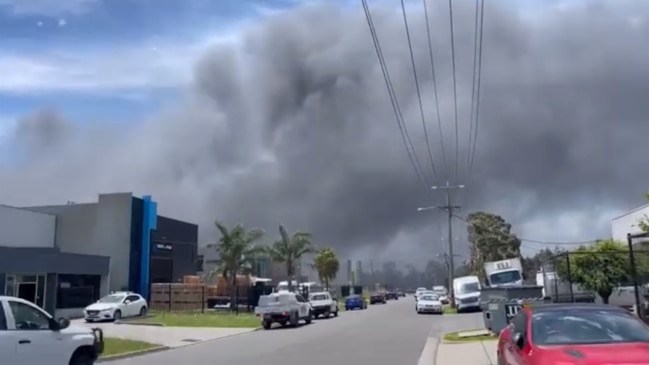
628 223
64 257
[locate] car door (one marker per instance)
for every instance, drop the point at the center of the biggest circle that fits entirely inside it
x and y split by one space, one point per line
132 306
512 353
8 341
35 342
303 306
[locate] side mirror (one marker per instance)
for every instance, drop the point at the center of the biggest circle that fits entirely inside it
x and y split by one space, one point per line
60 324
126 301
518 340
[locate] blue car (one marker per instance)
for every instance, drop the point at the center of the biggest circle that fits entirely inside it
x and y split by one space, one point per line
355 302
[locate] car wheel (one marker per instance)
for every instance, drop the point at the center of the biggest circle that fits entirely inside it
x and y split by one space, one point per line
142 311
336 313
117 315
82 357
267 324
309 318
327 314
294 320
347 308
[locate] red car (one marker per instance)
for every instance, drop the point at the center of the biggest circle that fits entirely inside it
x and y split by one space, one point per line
574 334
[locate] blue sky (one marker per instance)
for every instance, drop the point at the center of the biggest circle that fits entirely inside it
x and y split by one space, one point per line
113 59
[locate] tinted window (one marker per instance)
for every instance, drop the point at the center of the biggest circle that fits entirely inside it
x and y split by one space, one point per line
320 297
28 317
504 277
133 298
3 319
467 288
429 297
353 297
586 327
113 298
520 323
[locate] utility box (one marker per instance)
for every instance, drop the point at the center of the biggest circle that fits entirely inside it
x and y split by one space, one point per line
500 305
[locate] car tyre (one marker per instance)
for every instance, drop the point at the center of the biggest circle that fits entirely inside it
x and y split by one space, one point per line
309 318
347 308
117 315
293 321
336 313
267 324
81 357
142 311
327 314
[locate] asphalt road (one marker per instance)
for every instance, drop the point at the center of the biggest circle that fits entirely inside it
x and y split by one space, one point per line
383 334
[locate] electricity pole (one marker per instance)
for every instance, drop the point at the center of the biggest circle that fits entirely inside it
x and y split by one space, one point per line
450 210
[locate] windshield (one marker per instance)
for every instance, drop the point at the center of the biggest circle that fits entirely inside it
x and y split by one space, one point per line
320 297
352 297
468 288
504 277
112 298
282 287
571 327
430 297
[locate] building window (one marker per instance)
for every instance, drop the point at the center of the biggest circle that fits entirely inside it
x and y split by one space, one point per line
199 263
77 291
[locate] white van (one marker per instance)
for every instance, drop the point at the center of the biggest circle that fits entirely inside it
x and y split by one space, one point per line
467 293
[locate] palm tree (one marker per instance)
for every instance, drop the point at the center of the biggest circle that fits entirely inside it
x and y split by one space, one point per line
288 250
327 265
237 253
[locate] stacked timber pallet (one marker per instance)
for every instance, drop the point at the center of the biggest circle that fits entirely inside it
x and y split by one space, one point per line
178 297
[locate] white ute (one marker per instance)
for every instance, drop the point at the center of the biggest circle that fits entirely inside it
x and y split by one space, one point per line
30 336
283 308
116 306
323 304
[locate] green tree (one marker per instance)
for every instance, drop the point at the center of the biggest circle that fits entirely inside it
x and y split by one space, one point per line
237 252
288 250
644 222
327 265
600 267
490 239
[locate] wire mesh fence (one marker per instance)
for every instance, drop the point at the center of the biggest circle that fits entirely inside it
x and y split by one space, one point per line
616 277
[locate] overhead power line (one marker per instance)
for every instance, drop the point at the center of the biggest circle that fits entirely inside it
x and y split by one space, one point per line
477 78
421 105
407 141
435 95
529 240
457 129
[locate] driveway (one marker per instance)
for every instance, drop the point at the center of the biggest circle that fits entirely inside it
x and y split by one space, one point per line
166 336
383 334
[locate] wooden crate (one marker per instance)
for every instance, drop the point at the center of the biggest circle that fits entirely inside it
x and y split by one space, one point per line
178 297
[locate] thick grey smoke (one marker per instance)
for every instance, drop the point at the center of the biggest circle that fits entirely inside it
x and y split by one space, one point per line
293 125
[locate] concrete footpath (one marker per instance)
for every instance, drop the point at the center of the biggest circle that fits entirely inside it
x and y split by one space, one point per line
467 353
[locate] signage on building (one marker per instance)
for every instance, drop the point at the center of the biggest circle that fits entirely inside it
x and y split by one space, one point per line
163 246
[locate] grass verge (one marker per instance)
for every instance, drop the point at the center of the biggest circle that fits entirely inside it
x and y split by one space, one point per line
455 337
449 310
118 346
217 320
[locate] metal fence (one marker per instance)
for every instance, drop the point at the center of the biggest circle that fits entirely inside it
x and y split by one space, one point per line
565 276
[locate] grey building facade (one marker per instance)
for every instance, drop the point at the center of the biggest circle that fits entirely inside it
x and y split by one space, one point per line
116 243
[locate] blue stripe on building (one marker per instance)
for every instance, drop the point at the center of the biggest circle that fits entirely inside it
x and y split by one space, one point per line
149 223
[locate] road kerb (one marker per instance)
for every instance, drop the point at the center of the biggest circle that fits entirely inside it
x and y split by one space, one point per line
132 354
429 353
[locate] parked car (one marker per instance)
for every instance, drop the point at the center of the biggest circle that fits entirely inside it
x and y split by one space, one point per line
322 304
355 302
401 293
442 293
419 291
573 333
116 306
378 297
284 308
429 303
29 335
391 295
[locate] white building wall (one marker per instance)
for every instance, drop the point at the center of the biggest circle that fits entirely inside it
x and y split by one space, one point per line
24 228
628 223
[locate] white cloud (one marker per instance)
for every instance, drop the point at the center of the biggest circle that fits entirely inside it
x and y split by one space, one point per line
49 8
143 66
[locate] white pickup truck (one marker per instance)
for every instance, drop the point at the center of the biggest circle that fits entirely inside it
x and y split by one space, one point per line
283 308
29 336
323 304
